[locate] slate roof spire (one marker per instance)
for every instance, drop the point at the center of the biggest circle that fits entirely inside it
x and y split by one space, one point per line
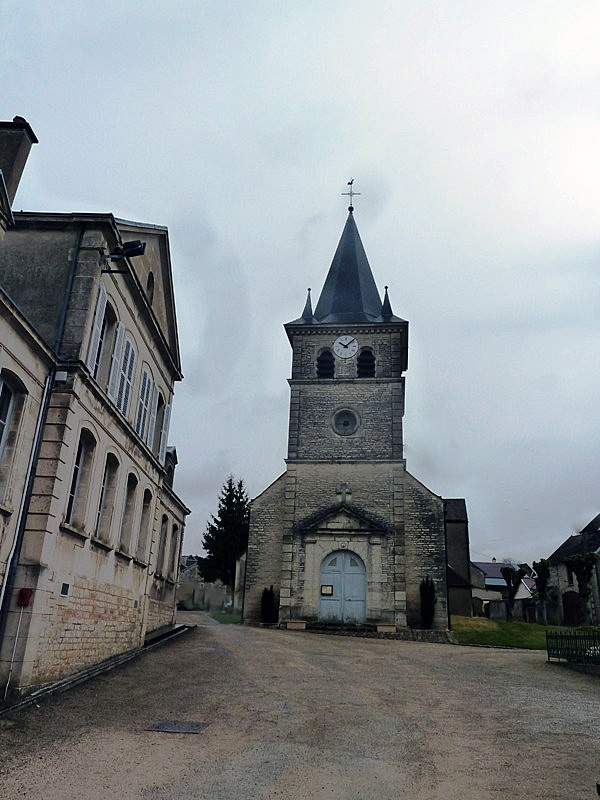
307 314
349 293
386 311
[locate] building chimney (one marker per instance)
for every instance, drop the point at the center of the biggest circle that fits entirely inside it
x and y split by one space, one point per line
16 138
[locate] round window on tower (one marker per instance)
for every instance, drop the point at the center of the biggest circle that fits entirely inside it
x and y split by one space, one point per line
345 422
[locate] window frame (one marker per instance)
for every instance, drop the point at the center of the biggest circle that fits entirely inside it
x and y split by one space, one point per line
81 480
108 490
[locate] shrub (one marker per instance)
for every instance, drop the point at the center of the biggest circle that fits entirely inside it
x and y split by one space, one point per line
428 601
269 607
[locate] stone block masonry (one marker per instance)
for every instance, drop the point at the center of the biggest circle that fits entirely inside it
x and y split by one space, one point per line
91 623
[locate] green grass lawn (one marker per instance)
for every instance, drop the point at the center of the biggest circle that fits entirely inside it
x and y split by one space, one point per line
227 617
479 630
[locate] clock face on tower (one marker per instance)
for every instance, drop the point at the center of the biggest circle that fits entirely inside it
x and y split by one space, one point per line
345 346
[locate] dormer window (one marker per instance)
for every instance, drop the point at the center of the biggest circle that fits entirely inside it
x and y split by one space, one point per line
365 364
325 364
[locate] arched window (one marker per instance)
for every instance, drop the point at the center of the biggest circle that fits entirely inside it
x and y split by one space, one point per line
75 513
107 339
122 369
173 552
6 406
145 527
106 503
150 287
12 401
102 338
365 364
161 428
126 376
128 514
325 364
158 420
144 401
162 545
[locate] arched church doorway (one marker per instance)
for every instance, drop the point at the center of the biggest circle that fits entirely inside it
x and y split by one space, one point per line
343 588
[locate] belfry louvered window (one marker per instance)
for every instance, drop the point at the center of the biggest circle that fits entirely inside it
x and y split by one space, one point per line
365 364
325 364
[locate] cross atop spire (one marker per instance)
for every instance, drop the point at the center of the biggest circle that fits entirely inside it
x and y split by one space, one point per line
351 194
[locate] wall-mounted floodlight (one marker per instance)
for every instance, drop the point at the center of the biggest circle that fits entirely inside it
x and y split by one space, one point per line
128 250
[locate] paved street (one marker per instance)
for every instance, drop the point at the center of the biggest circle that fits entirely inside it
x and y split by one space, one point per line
296 715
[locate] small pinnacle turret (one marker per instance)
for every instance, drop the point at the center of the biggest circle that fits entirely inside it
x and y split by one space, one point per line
307 314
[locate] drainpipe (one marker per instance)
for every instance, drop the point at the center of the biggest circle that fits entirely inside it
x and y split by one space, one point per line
15 553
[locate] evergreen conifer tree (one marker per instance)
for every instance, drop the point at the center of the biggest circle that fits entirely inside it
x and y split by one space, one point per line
226 536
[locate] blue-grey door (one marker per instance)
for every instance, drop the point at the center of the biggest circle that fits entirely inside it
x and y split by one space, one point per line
343 588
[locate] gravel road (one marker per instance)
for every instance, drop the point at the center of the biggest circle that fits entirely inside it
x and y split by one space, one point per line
295 715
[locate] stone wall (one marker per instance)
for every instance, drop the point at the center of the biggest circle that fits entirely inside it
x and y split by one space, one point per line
265 556
425 550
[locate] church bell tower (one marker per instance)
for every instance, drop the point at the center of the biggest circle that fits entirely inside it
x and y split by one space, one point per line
345 536
349 356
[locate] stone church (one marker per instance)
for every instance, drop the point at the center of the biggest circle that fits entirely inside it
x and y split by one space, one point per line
346 534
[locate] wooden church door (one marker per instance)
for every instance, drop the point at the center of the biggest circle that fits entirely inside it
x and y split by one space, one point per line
343 588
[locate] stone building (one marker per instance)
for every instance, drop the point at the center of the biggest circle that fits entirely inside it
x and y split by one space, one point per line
347 534
91 526
564 582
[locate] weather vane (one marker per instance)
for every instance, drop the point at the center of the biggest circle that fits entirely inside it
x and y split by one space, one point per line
351 194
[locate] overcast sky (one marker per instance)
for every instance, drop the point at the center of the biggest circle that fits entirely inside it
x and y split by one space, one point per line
472 130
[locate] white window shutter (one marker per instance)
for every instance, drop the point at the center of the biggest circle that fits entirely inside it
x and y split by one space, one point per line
152 421
142 408
129 378
162 451
126 376
115 362
92 352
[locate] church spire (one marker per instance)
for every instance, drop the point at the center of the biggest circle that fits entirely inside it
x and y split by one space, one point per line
349 293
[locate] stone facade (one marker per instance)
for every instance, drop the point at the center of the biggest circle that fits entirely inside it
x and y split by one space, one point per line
564 589
346 489
92 528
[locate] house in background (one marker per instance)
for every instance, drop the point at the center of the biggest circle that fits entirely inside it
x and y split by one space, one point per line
194 592
90 526
490 598
563 580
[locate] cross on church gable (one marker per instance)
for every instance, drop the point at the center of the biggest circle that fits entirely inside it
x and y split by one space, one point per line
343 490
